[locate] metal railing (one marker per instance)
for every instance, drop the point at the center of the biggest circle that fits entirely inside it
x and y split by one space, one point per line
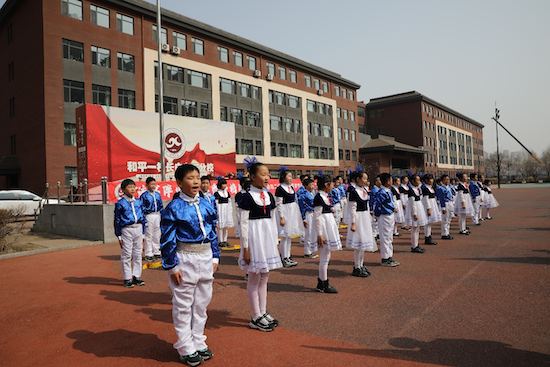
78 193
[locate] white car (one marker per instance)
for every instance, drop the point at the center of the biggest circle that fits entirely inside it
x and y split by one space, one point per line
29 203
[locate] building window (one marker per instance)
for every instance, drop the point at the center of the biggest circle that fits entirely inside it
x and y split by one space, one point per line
245 90
188 108
288 125
197 46
237 58
330 153
72 8
101 57
270 68
246 146
344 93
280 98
321 108
310 128
361 111
346 134
347 155
197 79
352 135
362 129
337 91
127 99
69 134
340 133
325 87
256 92
316 84
71 174
311 106
282 73
251 62
292 76
372 114
351 95
323 153
223 54
276 123
298 126
73 91
127 63
295 151
174 74
316 129
338 112
327 131
273 151
12 107
354 155
125 24
73 50
101 95
169 105
345 113
352 116
228 86
252 119
259 148
99 16
314 152
283 149
163 34
237 116
223 113
329 109
11 72
340 154
293 101
180 40
308 81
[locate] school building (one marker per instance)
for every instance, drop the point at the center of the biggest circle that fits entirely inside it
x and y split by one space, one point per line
60 54
446 141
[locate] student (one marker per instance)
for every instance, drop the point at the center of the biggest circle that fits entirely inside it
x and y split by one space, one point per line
359 236
339 184
225 211
463 203
373 192
399 214
336 197
432 209
305 201
242 182
445 198
328 237
477 200
259 252
152 208
452 188
205 187
299 193
384 210
491 200
191 255
415 215
483 195
404 196
129 226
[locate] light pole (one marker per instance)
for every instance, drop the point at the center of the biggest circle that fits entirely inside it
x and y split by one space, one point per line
161 97
497 116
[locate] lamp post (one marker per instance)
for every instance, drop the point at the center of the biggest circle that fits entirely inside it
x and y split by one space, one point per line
497 116
161 97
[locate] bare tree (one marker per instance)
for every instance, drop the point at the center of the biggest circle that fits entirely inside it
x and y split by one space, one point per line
527 166
545 159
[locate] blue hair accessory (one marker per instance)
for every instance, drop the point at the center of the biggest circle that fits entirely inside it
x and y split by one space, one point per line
247 162
421 175
409 173
282 169
218 178
239 175
358 168
349 171
458 173
320 172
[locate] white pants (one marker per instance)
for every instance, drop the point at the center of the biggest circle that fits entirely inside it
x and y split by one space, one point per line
428 230
446 222
130 256
324 258
337 213
415 233
285 246
374 226
477 209
222 234
461 222
385 231
487 210
238 226
152 234
190 299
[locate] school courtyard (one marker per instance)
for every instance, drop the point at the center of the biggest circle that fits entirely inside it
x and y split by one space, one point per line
478 300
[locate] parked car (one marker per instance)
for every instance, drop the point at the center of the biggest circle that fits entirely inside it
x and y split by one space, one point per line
29 203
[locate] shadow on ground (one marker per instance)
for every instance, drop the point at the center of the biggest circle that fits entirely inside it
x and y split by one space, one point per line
518 260
93 280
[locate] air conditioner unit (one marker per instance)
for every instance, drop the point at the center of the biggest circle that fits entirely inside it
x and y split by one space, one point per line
257 73
269 77
175 50
320 92
165 47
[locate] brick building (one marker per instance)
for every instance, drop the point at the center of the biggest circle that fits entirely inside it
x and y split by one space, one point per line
60 54
451 141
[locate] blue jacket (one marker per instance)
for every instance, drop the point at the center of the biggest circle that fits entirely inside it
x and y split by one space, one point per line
180 223
443 195
149 201
372 197
335 196
305 201
474 190
302 190
383 203
124 214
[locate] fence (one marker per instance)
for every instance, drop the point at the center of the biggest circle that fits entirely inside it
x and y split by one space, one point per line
78 193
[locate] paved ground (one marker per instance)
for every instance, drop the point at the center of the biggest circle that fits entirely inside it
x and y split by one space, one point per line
479 300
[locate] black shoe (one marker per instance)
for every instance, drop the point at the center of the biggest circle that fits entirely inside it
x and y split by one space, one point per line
320 286
287 263
192 359
261 324
397 235
359 272
389 262
246 277
377 238
464 232
405 229
481 219
157 257
448 237
429 241
366 270
272 321
205 354
478 224
138 281
292 262
148 258
418 250
467 227
489 218
329 288
128 284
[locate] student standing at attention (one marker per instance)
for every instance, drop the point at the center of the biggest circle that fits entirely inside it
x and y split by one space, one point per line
305 201
384 209
129 226
152 207
225 211
190 253
415 215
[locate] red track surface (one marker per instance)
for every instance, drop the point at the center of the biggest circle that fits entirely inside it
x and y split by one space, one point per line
479 300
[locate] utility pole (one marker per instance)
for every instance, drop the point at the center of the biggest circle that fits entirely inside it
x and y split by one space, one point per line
161 97
497 116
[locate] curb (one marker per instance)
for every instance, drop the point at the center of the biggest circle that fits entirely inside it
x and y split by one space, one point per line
52 249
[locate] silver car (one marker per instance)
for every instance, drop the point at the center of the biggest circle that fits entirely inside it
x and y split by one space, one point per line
24 202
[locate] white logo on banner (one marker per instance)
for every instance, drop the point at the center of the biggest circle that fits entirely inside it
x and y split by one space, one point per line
174 143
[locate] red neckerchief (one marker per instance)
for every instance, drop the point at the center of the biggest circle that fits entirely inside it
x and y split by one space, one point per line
262 196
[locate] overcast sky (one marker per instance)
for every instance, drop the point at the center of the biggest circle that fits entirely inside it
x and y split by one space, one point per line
464 54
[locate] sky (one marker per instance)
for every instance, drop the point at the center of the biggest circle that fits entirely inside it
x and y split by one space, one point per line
464 54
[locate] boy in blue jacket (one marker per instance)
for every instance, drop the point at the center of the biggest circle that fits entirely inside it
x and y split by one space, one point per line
475 192
384 209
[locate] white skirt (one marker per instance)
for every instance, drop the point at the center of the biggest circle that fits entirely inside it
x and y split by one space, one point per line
310 233
468 210
399 215
225 215
346 215
330 233
420 213
435 213
293 221
493 203
262 245
344 205
483 196
362 238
